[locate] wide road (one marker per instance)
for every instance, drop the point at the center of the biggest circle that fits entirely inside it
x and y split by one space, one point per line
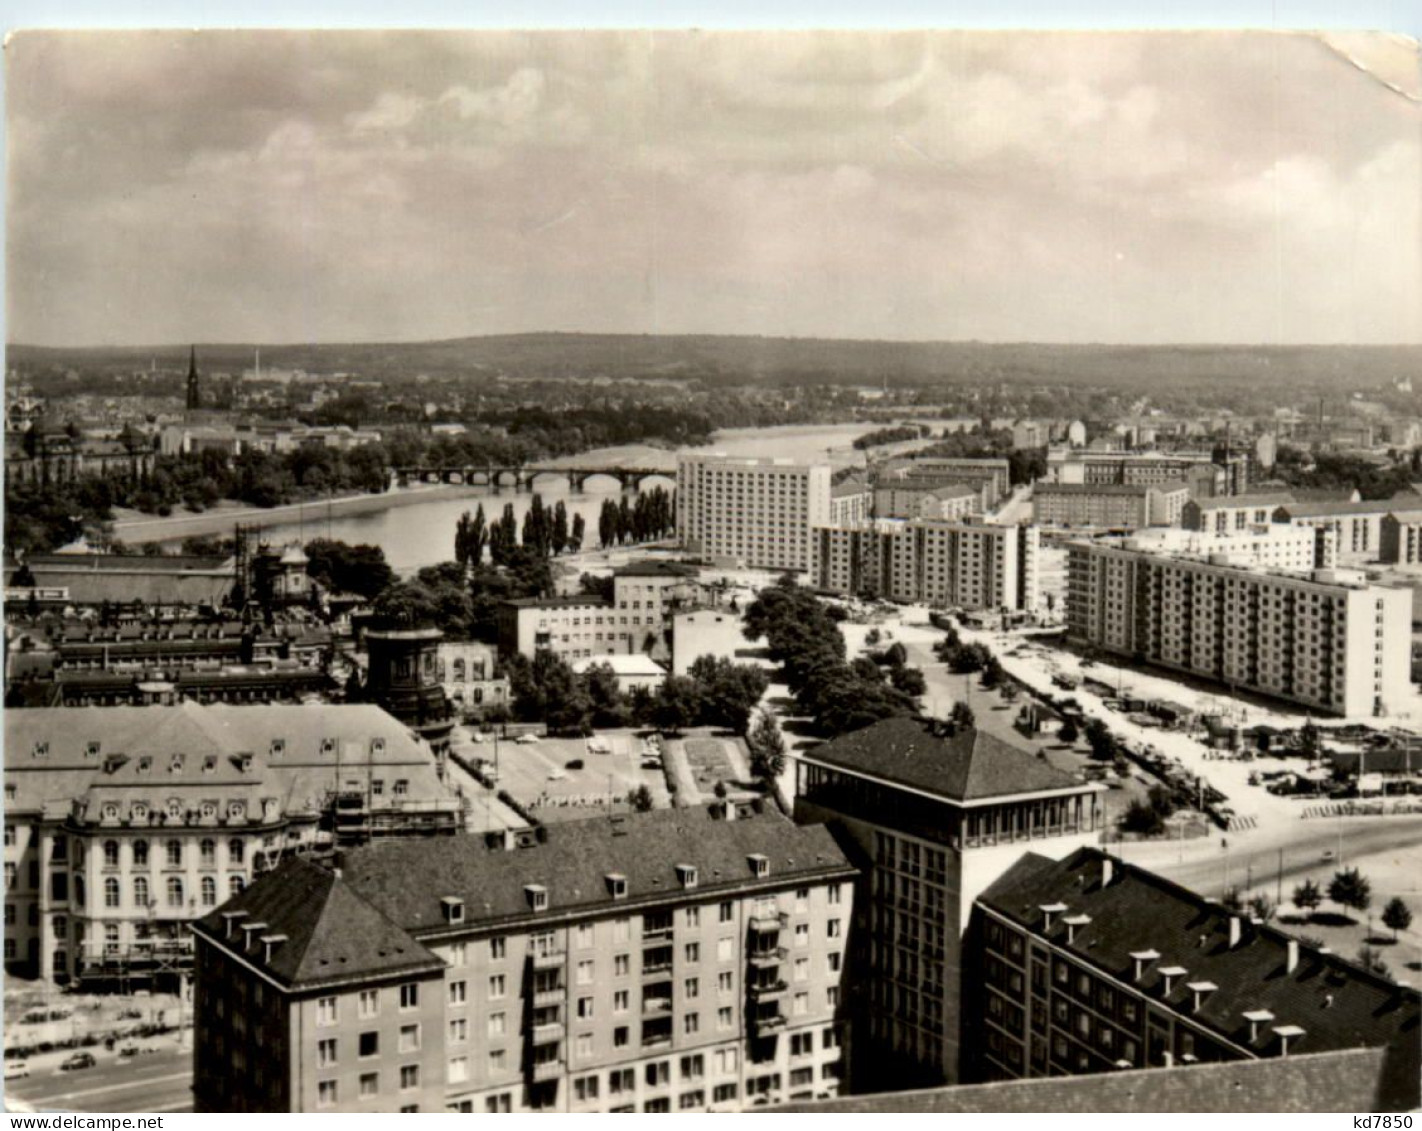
152 1082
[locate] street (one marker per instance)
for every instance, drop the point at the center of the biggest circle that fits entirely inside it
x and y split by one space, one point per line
151 1082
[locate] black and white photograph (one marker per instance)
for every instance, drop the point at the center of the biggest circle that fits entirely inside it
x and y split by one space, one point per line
816 571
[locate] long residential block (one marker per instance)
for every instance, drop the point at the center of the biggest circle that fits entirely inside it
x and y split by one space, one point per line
759 512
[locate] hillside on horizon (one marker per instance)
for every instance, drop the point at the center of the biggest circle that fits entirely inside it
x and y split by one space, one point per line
737 360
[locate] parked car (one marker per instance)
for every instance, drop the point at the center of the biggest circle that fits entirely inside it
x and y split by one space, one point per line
77 1061
16 1069
526 739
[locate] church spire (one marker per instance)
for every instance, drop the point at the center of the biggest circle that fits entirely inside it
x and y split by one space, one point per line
194 399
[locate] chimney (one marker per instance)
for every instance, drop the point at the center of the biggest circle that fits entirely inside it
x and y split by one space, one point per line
1236 929
1292 963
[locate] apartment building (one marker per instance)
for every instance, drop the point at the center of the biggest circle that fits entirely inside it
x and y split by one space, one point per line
1356 526
851 502
1326 640
1400 537
991 477
665 961
1108 505
1226 514
963 565
1087 964
1296 549
123 824
644 597
1204 476
936 817
759 512
907 498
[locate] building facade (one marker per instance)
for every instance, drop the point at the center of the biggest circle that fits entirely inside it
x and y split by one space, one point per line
1325 639
851 502
1200 470
934 817
665 961
759 512
1108 505
963 565
1356 526
991 477
1227 514
1091 965
468 672
123 824
898 498
1400 537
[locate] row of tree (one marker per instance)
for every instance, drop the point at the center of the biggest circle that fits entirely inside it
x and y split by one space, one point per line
714 692
803 637
547 532
653 516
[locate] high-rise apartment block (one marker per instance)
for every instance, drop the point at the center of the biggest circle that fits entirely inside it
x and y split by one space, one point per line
664 961
966 565
1325 639
759 512
934 817
1108 504
1087 964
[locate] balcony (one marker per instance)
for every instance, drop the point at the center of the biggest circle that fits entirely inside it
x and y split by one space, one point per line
546 1069
656 961
770 957
767 1023
767 921
768 991
554 996
656 1006
547 959
548 1033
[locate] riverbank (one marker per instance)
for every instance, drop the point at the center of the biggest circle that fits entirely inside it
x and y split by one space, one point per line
219 520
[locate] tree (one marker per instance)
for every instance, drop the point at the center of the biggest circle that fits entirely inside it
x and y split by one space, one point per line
605 698
558 529
962 717
767 748
1307 897
1098 737
1371 961
727 692
640 799
908 680
575 537
676 704
1262 908
343 568
1350 888
545 689
1396 916
992 672
1068 731
1141 817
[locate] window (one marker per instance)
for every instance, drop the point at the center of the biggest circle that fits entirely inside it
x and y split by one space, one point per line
802 934
658 1073
458 1069
621 1037
497 984
691 1023
497 1059
458 1030
585 973
725 982
140 853
175 891
369 1003
326 1093
832 929
409 1077
111 848
832 997
584 939
209 891
621 965
725 1018
725 950
500 1104
693 916
802 1044
111 892
725 1061
621 1080
835 960
497 1024
727 912
409 1038
692 986
835 893
235 884
140 891
620 999
326 1053
174 849
207 853
369 1085
801 1004
326 1011
459 954
723 1093
584 1046
457 992
498 948
409 995
368 1044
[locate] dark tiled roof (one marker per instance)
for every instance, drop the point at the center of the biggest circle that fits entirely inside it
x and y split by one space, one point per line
1337 1004
1400 504
407 879
1332 1081
330 931
654 569
969 765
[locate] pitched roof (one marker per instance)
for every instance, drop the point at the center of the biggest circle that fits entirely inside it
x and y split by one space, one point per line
1338 1004
407 879
1399 503
851 486
331 932
654 568
570 601
1345 1081
1255 499
969 765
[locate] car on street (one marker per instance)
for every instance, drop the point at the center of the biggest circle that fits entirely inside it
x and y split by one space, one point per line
1327 854
16 1069
526 739
77 1061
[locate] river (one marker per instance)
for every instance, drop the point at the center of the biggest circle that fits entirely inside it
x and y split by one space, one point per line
422 533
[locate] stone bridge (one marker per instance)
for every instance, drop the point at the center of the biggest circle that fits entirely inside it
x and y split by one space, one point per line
521 478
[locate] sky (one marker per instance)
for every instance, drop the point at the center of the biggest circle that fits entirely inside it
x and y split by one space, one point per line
283 187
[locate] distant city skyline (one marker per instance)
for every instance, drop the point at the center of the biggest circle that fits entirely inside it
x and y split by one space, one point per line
290 187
